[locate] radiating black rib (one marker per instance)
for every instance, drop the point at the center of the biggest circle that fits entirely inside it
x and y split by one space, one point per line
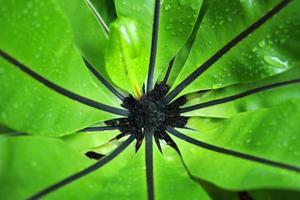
158 144
100 128
237 96
98 16
61 90
84 172
224 50
103 80
171 143
167 75
14 134
153 46
149 164
119 136
232 152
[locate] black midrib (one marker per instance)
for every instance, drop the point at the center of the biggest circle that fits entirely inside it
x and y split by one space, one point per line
206 65
103 80
154 41
60 90
84 172
237 96
232 152
149 164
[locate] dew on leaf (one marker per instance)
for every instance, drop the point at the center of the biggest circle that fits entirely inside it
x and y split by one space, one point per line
217 85
276 62
221 22
35 14
262 43
3 115
167 7
16 105
229 19
249 140
168 27
33 163
29 5
282 40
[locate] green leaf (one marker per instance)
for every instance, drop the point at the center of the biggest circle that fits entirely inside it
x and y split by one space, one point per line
98 140
50 37
26 174
89 35
174 30
131 176
267 133
106 9
30 163
270 50
45 46
256 101
171 179
123 58
125 170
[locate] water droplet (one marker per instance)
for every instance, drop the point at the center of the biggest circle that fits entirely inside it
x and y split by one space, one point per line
35 14
276 62
262 44
168 27
29 5
167 7
282 41
25 11
217 85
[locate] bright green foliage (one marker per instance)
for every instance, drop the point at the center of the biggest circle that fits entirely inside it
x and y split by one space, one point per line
91 42
272 49
38 34
265 133
174 30
52 36
261 100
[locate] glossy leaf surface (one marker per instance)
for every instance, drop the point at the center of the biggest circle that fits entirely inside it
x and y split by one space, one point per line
270 50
